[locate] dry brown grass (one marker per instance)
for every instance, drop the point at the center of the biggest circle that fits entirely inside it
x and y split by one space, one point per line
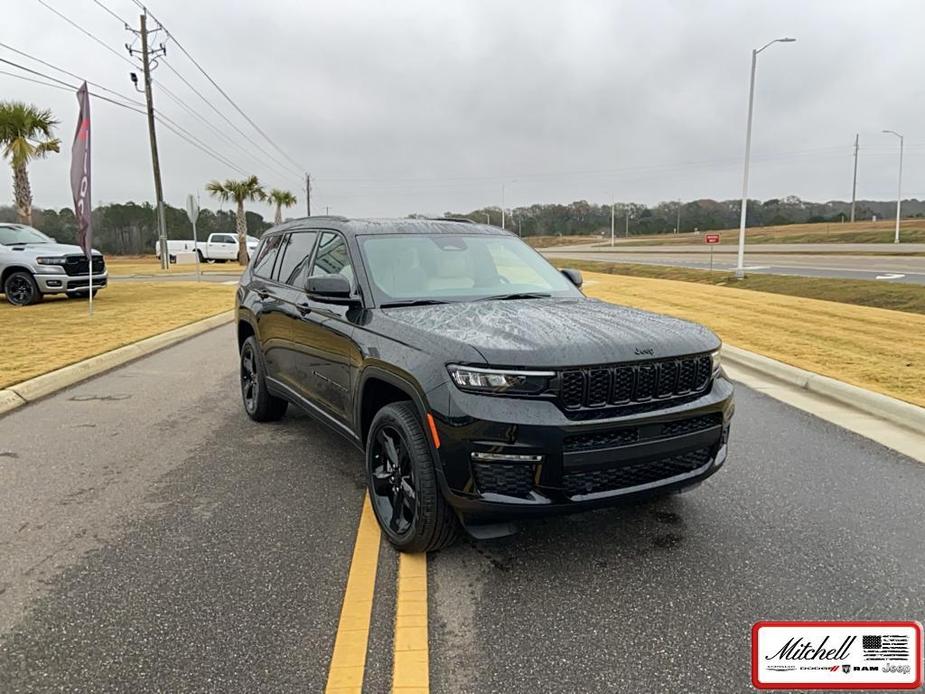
873 348
911 230
550 241
150 265
57 332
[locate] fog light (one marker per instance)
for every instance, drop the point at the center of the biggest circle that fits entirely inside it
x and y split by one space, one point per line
506 458
53 283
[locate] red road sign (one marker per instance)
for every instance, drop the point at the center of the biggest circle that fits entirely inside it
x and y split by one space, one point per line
711 238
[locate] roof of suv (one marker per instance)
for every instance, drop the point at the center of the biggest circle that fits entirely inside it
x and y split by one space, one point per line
388 226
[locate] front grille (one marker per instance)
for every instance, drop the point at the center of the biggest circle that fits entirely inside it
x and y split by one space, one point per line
79 265
575 483
613 438
627 385
498 478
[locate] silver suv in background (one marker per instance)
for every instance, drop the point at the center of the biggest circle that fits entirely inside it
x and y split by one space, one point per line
33 264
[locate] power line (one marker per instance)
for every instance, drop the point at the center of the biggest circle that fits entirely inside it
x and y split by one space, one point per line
224 117
121 57
68 73
111 13
168 123
215 84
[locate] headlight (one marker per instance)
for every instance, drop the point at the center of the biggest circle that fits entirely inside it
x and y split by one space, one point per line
51 261
716 357
512 381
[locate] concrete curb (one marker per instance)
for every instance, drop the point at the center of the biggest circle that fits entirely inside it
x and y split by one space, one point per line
28 391
896 411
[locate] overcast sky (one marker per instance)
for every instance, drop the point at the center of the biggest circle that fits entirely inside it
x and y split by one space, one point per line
399 107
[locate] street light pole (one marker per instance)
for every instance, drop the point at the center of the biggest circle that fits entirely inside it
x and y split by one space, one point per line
611 221
740 264
899 188
502 206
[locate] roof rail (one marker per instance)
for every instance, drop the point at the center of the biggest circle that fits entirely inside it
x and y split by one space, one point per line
461 220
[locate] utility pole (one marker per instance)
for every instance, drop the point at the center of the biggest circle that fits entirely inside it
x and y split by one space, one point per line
677 229
854 184
148 63
899 186
627 209
308 195
611 220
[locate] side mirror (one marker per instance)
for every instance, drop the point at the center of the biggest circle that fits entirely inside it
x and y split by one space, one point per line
332 288
574 276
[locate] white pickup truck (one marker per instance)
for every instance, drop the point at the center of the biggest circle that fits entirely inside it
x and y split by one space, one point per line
218 248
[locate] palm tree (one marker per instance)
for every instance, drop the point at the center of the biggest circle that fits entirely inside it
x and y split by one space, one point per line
25 134
281 198
240 191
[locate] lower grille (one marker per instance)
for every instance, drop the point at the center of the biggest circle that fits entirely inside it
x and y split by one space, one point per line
509 480
591 482
613 438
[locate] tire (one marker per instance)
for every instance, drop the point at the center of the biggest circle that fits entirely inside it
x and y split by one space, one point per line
402 475
210 261
21 290
201 258
258 403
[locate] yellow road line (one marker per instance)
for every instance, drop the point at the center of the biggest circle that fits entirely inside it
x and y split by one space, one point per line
411 661
348 662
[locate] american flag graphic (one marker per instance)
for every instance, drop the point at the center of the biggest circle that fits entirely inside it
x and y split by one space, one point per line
885 647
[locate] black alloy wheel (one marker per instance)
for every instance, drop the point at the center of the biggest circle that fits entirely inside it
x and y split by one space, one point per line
21 289
393 480
258 403
402 482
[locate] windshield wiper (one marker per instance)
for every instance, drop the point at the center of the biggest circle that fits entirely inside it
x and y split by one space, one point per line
518 295
413 302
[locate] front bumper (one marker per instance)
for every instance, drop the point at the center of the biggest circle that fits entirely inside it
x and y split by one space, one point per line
60 283
569 464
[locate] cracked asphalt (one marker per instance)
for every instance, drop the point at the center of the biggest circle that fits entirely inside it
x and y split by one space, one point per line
154 539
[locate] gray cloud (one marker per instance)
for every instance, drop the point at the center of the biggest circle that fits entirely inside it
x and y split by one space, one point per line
419 106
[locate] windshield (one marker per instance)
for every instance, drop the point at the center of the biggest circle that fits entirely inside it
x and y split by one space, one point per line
10 236
440 267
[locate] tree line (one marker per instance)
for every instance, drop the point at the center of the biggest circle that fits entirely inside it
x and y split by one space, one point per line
583 217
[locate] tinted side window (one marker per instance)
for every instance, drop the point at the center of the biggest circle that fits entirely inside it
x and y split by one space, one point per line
297 253
266 256
332 257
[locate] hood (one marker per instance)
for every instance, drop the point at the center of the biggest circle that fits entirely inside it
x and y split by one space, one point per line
558 332
42 249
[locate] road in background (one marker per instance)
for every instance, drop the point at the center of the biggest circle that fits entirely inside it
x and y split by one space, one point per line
153 538
909 269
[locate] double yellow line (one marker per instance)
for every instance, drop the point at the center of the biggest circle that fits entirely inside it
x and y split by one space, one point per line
410 665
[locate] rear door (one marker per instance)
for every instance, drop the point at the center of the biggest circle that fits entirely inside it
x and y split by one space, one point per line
272 322
222 247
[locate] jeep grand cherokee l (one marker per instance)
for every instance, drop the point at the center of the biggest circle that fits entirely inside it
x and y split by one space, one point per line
480 382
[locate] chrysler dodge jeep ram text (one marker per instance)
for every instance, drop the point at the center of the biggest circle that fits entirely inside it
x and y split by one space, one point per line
480 382
33 265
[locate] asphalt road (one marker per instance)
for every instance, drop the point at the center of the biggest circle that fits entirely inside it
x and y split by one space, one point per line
906 269
812 262
154 539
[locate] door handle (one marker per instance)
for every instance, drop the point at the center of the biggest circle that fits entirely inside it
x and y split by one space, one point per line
304 309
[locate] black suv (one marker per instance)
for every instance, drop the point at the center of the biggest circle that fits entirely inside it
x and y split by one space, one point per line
480 382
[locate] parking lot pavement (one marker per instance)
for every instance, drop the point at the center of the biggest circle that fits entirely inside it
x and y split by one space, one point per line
902 269
154 539
807 521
